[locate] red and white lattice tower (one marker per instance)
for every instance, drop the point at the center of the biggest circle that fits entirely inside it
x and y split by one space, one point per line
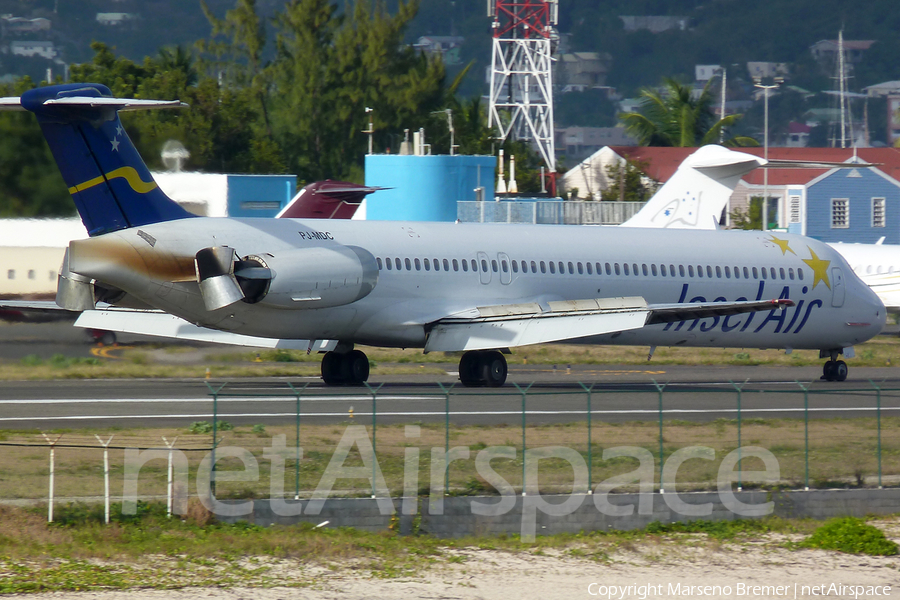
521 103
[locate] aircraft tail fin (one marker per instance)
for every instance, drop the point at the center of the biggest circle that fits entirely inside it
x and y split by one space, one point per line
327 200
107 178
699 190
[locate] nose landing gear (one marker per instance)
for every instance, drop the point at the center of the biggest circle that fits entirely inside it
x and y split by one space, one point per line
834 370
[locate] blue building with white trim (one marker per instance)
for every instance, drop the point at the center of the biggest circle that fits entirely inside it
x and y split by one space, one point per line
851 205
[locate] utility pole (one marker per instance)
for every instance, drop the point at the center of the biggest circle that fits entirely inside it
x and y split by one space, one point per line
757 82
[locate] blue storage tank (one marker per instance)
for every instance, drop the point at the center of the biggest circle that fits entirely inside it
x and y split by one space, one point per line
425 188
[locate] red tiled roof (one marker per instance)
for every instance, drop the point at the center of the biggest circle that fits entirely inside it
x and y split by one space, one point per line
795 127
663 162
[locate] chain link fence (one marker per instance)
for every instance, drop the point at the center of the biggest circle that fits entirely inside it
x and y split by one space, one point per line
300 444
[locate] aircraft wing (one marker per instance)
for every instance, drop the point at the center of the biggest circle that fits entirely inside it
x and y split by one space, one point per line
159 324
34 311
509 325
146 322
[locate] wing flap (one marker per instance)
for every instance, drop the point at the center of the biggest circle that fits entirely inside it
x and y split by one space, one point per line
509 325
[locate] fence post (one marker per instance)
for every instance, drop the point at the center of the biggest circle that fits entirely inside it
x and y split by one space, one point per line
105 476
214 392
659 391
590 461
524 394
374 392
805 389
170 485
446 433
297 394
52 462
878 420
738 389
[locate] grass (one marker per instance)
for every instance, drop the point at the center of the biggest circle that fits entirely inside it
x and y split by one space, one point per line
151 551
160 361
842 454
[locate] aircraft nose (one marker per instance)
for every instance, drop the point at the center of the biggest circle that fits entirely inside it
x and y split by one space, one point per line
870 316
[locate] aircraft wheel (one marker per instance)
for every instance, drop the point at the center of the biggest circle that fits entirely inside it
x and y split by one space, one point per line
828 370
840 370
332 368
356 367
494 368
469 371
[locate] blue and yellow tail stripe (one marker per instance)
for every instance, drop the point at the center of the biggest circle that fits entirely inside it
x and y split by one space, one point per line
129 174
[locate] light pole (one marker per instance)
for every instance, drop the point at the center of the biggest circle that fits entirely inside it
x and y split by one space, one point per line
757 82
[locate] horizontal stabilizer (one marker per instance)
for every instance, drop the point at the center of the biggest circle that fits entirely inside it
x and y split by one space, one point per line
159 324
119 104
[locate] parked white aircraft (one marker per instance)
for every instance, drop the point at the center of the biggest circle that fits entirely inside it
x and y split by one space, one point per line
694 197
878 265
475 288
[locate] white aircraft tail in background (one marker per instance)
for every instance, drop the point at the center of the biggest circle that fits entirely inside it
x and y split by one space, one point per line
693 197
698 192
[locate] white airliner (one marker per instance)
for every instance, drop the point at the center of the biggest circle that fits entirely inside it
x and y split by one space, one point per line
694 197
473 288
878 265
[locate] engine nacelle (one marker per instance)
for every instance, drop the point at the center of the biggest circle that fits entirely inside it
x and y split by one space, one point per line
308 277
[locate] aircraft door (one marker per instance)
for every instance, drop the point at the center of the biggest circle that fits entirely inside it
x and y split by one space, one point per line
838 289
484 267
505 269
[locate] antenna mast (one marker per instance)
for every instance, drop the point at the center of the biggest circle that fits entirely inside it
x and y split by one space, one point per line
521 101
843 87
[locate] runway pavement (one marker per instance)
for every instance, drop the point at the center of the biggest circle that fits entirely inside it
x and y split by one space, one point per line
618 394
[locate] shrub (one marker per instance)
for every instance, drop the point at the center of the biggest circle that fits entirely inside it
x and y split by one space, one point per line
200 427
850 535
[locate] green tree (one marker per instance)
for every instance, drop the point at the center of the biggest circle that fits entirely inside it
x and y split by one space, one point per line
674 118
627 183
330 67
220 127
469 116
30 183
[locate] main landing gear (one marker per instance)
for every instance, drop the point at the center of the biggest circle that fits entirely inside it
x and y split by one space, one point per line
482 368
345 368
834 370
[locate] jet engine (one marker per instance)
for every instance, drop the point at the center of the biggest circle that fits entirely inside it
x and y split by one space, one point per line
301 278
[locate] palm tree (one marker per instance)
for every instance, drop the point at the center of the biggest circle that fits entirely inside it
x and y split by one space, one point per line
673 118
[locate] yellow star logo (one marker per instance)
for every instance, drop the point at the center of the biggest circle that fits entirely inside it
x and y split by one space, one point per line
783 244
819 267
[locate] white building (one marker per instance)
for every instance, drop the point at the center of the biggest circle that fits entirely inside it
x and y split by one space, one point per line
31 48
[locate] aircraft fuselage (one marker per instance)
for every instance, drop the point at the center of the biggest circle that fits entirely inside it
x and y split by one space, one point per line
418 273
